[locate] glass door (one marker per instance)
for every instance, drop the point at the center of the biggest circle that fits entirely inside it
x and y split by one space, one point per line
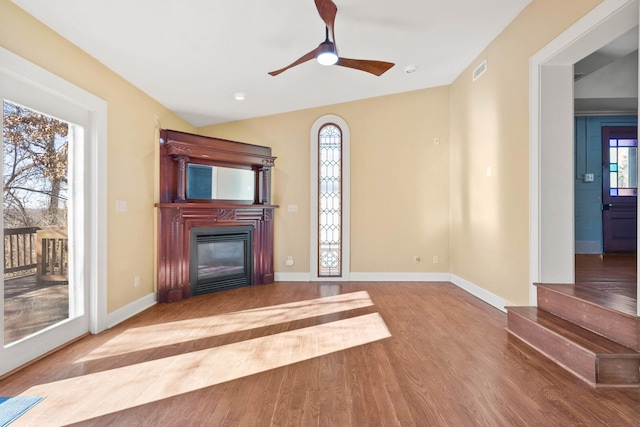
44 293
619 188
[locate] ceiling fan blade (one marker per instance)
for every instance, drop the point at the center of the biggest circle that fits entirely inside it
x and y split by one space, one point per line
307 57
328 10
374 67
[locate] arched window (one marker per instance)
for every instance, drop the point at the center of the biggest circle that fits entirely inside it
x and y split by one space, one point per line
330 199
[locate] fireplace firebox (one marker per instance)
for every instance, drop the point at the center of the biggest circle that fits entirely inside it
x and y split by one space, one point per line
220 258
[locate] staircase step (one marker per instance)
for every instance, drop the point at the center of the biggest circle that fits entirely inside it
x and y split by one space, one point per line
593 358
612 316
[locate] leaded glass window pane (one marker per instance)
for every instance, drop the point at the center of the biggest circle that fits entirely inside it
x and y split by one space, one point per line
330 201
623 167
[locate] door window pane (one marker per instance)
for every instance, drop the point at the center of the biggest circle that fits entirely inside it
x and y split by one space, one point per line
623 167
35 215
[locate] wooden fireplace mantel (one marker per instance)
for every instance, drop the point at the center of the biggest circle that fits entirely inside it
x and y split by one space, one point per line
178 214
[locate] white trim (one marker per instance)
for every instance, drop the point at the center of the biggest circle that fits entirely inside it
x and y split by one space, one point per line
370 277
588 247
346 197
131 309
473 289
550 253
480 293
292 277
98 289
400 277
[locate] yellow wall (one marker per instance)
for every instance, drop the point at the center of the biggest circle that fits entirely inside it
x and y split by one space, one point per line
398 175
131 147
489 129
399 179
409 196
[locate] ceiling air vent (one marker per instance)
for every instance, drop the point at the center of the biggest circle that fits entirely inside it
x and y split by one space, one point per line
480 69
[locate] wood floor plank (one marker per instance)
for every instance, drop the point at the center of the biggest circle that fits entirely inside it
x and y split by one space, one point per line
614 274
447 362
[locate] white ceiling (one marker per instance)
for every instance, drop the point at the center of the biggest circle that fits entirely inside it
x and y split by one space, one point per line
193 55
606 82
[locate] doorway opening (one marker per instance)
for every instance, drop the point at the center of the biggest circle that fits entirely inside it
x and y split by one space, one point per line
552 237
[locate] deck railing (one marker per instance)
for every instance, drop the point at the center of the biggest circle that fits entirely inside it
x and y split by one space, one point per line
44 251
20 249
53 254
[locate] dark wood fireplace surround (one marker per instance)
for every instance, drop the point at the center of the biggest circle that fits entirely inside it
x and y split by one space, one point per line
178 214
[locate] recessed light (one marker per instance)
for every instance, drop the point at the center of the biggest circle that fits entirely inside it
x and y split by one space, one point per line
410 68
239 96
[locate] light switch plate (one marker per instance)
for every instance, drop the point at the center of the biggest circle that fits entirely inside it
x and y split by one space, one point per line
121 205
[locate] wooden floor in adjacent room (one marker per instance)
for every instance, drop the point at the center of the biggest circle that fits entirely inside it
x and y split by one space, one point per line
311 354
609 280
619 271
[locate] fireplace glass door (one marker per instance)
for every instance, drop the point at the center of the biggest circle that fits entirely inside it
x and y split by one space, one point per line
221 258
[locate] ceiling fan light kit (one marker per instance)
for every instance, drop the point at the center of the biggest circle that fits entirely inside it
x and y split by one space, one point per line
327 55
327 52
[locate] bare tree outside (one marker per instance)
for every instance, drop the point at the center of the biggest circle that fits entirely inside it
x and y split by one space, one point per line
35 168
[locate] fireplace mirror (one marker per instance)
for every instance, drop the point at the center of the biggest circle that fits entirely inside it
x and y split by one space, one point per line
220 183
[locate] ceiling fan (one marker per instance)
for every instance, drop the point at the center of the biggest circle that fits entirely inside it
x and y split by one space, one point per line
327 52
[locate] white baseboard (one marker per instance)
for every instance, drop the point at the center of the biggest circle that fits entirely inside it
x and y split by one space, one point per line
371 277
292 277
475 290
131 310
588 247
400 277
150 300
481 293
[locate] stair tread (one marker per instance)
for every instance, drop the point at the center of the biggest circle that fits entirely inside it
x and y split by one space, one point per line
586 339
592 294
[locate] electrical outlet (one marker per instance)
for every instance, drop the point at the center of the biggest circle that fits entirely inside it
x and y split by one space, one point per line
136 281
416 260
289 262
436 259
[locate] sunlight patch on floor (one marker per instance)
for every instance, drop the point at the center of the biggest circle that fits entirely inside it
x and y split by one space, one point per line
89 396
193 329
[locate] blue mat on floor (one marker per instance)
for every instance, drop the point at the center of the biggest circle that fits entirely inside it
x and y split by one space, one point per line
12 407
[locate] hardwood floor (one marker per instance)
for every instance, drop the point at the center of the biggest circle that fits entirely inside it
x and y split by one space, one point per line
311 354
615 273
609 280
